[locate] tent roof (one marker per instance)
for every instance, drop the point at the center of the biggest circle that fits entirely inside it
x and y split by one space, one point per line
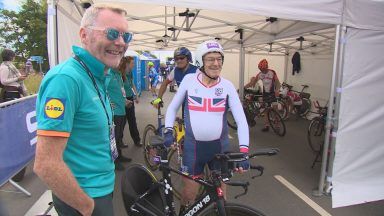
156 26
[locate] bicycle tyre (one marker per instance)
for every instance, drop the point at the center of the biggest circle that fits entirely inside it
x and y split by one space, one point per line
149 152
232 209
315 134
276 122
231 120
282 109
305 107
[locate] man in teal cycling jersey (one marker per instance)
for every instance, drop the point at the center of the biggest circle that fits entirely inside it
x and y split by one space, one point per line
76 147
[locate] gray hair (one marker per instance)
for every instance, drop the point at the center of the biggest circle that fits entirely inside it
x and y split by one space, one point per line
92 12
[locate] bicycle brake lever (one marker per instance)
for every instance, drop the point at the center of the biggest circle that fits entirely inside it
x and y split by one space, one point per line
258 168
244 185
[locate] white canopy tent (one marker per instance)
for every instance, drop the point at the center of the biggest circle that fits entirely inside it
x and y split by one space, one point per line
356 170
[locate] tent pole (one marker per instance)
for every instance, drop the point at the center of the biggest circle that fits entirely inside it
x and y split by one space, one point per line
286 65
335 126
336 61
242 64
53 52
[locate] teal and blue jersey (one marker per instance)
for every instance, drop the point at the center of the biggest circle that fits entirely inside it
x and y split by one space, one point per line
128 85
68 105
116 92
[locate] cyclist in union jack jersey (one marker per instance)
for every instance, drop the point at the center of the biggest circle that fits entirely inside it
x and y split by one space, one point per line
207 97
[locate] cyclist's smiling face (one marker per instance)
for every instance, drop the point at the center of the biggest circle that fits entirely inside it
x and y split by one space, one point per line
213 63
95 41
181 61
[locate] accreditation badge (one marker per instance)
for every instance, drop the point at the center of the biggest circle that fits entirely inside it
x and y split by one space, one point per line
112 142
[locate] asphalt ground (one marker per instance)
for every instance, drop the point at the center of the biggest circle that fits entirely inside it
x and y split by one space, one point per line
271 193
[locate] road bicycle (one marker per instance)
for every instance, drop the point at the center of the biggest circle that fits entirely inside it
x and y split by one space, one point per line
255 105
143 194
316 131
279 105
298 103
151 130
175 155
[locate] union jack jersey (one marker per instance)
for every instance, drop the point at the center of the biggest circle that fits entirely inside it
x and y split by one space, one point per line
205 110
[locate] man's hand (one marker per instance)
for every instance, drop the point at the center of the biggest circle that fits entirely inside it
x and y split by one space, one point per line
128 103
243 166
156 103
168 138
88 209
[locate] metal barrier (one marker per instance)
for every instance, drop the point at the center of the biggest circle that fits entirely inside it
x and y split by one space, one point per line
17 137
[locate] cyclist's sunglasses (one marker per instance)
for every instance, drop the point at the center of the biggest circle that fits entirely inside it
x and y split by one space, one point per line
180 58
113 34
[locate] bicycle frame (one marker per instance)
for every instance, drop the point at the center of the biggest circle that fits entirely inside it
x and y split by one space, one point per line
213 194
160 124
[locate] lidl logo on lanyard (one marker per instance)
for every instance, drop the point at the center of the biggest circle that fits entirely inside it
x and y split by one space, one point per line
54 108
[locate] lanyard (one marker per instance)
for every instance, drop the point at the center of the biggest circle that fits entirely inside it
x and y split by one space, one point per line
94 84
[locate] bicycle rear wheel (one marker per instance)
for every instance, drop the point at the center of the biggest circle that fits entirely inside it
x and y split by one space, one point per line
305 107
276 122
149 151
232 209
315 134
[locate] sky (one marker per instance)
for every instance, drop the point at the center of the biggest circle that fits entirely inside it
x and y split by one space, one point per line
10 4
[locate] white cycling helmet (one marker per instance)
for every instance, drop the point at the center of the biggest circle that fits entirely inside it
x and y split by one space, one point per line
207 47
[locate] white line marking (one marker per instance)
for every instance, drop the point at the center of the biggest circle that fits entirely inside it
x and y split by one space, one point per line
302 196
41 205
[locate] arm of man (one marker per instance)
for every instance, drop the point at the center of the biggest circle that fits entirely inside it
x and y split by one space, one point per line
176 102
163 88
251 83
134 90
50 167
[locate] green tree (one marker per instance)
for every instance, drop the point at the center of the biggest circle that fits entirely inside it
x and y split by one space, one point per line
25 31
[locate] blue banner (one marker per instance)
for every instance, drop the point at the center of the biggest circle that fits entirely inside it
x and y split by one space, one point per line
17 137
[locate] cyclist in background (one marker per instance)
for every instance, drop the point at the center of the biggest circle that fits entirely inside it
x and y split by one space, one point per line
206 96
183 59
271 86
153 77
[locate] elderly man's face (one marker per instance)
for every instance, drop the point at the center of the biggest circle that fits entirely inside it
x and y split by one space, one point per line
95 39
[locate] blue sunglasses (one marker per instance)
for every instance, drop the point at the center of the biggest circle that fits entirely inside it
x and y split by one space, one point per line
113 34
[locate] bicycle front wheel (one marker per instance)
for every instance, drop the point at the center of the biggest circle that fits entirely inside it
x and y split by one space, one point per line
315 134
232 209
276 122
282 109
149 151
